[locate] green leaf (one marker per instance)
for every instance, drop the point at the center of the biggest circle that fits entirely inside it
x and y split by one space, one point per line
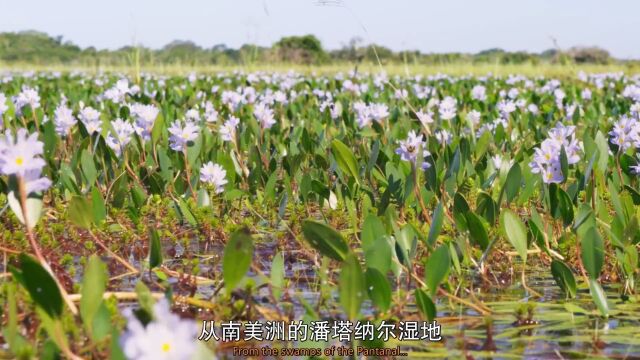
564 164
512 184
561 205
599 297
186 213
564 278
584 212
94 283
226 161
425 304
436 225
277 275
482 144
406 243
325 239
372 229
238 254
477 230
378 255
460 204
603 151
592 252
57 337
88 167
515 231
351 286
80 212
34 206
41 286
204 199
145 300
155 249
487 207
345 159
378 289
97 203
116 351
193 151
270 187
635 195
437 268
18 345
574 309
50 137
102 326
158 127
454 165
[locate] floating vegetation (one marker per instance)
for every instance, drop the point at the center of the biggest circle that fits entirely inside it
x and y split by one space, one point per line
182 217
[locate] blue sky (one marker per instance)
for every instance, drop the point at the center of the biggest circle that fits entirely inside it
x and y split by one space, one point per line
426 25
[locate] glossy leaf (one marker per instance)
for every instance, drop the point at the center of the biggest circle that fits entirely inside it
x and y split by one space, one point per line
345 159
238 254
477 231
425 304
437 268
515 232
155 249
564 278
41 286
351 287
378 289
592 252
325 239
94 284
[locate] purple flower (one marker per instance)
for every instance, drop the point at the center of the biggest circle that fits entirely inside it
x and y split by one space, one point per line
264 115
626 133
122 136
3 105
181 136
64 120
447 108
27 96
479 92
90 117
228 129
546 159
215 175
552 174
167 336
119 91
413 149
145 117
21 156
443 136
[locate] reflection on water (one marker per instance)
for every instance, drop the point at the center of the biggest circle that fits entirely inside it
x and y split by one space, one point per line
520 326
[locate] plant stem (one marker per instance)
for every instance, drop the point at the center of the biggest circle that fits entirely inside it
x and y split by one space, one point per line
36 249
35 119
105 248
619 170
187 170
416 189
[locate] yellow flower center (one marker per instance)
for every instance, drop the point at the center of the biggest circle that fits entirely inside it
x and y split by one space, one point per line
166 347
19 160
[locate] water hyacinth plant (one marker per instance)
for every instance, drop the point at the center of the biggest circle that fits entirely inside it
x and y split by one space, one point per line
155 206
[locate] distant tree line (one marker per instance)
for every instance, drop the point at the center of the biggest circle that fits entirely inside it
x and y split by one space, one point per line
39 48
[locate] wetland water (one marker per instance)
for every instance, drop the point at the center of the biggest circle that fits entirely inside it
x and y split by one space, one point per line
520 326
